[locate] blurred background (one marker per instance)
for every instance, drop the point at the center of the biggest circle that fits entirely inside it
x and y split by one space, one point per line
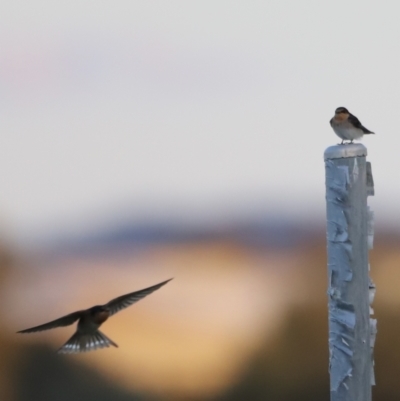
144 140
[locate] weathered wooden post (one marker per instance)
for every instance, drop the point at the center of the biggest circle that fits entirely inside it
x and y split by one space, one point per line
349 236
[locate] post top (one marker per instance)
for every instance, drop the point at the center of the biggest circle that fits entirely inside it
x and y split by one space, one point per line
346 150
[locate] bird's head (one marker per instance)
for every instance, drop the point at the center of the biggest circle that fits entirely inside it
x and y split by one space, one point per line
98 309
341 110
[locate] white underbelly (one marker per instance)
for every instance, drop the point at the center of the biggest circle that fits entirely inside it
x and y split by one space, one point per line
348 133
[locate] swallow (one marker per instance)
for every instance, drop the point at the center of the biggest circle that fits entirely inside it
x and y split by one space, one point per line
347 126
88 337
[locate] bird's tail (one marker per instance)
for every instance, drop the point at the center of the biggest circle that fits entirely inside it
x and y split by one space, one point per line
366 131
86 342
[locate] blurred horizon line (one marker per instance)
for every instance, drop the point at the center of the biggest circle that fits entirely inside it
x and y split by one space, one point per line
123 231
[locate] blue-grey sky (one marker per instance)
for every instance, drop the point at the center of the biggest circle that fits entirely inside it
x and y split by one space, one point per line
196 108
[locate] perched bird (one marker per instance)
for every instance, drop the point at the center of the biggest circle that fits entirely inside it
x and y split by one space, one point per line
87 336
347 126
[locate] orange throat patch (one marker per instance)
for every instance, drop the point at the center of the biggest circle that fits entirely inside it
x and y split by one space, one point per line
340 117
101 317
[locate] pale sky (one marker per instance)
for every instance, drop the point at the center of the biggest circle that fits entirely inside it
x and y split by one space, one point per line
194 108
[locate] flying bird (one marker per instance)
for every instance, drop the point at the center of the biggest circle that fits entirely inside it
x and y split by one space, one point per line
346 126
88 337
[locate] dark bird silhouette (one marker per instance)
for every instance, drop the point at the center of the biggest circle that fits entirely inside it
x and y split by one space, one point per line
88 337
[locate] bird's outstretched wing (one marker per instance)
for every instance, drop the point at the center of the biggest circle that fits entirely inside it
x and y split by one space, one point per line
116 304
356 122
60 322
